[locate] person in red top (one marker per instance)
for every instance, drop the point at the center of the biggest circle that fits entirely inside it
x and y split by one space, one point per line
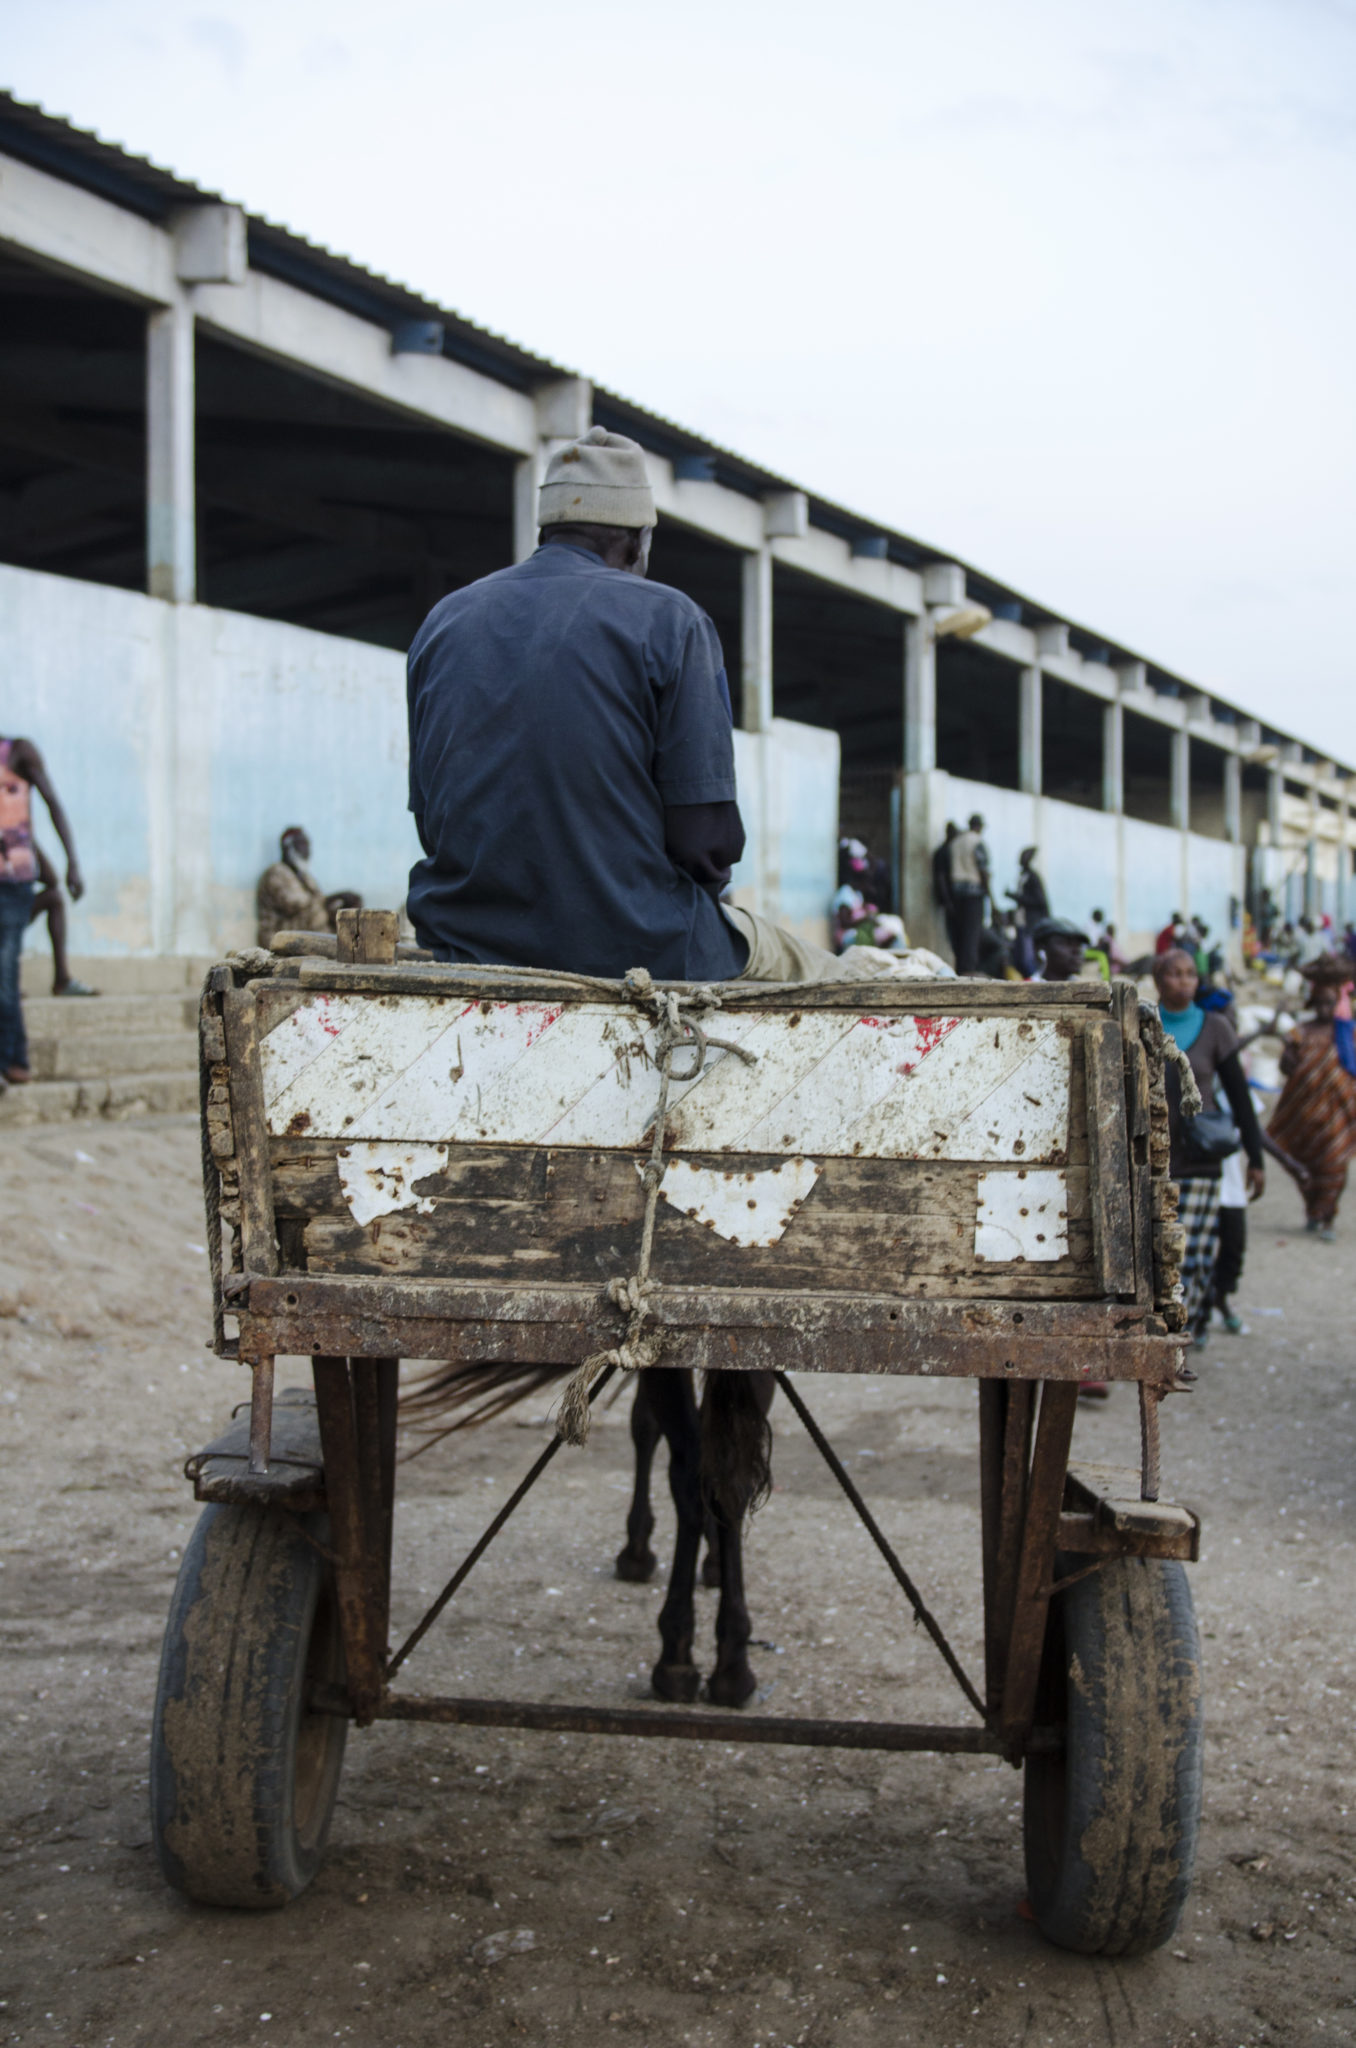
22 770
1168 937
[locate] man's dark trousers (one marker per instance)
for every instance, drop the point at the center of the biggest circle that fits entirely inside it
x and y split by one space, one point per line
16 908
969 923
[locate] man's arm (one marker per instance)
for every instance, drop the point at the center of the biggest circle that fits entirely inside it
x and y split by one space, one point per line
705 841
25 760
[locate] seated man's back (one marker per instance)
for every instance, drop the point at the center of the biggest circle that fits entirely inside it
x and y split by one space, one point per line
561 712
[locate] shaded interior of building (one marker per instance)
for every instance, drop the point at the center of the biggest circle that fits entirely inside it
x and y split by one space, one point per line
321 509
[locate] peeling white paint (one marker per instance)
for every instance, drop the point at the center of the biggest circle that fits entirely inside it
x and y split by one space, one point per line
1022 1215
824 1083
377 1179
746 1208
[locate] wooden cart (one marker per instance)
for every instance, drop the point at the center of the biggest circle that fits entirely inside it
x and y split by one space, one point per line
407 1160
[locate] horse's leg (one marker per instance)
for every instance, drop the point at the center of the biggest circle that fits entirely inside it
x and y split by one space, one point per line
734 1415
637 1560
711 1561
675 1676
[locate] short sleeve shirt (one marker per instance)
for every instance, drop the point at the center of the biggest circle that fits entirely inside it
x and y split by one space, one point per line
556 709
967 851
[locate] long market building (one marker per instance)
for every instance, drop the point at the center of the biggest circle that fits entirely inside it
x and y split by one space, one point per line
237 469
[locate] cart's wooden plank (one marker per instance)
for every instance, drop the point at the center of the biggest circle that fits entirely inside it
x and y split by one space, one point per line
900 1227
407 1069
1044 1497
1018 1416
742 1308
259 1250
715 1328
1109 1160
896 993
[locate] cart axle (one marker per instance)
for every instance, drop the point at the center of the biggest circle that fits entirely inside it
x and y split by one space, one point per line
705 1726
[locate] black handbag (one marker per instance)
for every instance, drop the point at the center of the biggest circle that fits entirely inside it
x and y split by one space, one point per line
1209 1137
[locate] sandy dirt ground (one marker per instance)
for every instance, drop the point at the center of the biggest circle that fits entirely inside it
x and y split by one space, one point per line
484 1887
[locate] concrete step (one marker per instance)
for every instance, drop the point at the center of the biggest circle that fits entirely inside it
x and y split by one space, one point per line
57 1102
113 974
66 1017
95 1056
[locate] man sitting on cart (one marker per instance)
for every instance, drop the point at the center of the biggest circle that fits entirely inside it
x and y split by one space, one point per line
572 760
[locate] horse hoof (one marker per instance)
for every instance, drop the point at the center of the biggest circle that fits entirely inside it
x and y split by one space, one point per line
678 1682
731 1688
711 1570
636 1569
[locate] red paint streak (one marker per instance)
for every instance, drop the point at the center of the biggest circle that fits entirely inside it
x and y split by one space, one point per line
544 1018
326 1022
931 1031
878 1023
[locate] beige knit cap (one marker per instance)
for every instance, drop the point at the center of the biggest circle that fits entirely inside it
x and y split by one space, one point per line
599 480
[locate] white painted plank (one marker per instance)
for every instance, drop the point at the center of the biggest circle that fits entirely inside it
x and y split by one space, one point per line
1025 1116
861 1070
937 1111
412 1069
1022 1215
440 1095
734 1097
378 1179
364 1043
747 1208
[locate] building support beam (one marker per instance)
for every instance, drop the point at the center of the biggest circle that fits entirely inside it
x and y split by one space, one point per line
1030 719
171 525
755 711
1233 799
1113 758
1180 782
920 696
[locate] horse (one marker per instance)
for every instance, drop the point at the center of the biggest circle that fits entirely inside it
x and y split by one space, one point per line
720 1472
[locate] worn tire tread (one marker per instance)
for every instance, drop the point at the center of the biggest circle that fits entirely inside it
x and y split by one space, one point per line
1109 1862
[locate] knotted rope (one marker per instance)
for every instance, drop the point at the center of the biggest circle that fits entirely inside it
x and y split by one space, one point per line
678 1030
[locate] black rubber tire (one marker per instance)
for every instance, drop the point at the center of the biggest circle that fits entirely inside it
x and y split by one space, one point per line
1110 1825
243 1778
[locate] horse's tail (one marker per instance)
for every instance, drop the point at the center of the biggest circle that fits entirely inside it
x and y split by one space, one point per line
455 1397
736 1458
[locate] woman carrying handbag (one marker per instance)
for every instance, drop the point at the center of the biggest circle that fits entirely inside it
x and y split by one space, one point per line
1200 1144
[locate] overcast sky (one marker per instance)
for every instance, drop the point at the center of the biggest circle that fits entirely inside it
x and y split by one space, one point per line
1065 287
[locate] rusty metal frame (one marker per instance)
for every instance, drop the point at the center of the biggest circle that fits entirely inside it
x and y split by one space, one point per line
1023 1491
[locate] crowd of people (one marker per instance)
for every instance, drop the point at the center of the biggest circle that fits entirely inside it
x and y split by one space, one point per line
1219 1155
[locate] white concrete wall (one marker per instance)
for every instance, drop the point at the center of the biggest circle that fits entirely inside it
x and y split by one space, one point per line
183 740
788 797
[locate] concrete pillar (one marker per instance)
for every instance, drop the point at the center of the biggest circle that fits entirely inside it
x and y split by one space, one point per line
1030 711
1180 788
1312 905
171 526
526 484
564 412
1275 804
1342 904
920 697
1233 799
755 710
1113 758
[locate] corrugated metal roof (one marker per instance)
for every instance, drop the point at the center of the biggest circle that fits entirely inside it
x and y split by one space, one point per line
54 144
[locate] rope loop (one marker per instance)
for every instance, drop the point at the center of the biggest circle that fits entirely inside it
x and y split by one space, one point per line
678 1030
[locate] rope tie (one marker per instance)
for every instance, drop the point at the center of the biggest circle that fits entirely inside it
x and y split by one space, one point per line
635 1294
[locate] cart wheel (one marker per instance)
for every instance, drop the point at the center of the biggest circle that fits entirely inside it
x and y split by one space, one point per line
1110 1825
243 1778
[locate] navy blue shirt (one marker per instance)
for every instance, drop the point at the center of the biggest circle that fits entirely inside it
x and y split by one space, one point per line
556 710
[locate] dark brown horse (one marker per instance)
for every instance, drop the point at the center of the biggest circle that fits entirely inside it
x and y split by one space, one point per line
720 1470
